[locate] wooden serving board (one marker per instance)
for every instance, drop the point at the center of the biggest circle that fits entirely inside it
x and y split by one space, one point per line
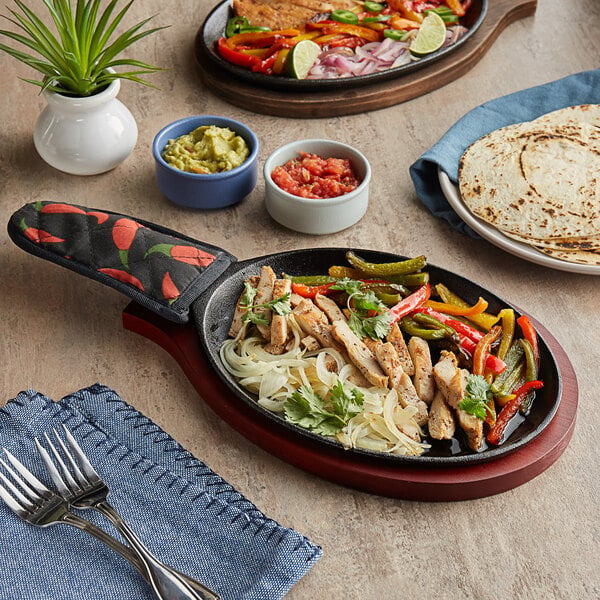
500 14
334 464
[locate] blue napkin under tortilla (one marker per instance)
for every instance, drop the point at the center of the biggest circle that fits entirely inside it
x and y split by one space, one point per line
186 514
526 105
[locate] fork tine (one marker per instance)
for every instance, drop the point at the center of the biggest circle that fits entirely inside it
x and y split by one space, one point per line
8 499
35 485
75 468
54 473
82 459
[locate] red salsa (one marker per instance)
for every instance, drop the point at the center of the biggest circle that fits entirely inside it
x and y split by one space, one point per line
312 176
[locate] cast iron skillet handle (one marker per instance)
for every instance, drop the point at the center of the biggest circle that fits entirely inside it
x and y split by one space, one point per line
160 269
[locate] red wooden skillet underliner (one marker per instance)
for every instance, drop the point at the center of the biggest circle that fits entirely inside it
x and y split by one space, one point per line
425 483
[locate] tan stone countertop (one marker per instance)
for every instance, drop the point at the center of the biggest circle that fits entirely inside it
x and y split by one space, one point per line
61 332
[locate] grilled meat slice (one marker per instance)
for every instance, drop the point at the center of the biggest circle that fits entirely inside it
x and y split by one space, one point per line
395 337
441 424
330 308
452 382
264 294
238 316
279 324
359 354
314 322
423 377
387 357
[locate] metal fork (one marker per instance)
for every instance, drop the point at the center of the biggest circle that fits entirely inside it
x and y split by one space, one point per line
31 500
80 485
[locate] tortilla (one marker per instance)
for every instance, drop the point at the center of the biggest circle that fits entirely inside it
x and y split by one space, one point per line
538 181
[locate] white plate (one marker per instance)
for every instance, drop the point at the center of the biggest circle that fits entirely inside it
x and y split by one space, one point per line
494 236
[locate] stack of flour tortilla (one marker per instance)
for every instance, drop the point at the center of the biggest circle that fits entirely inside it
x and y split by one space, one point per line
539 182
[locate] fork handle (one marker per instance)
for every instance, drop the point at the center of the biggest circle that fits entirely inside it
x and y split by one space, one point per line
166 582
125 551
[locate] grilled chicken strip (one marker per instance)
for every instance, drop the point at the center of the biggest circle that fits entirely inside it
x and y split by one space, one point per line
279 323
313 322
359 354
387 357
441 424
238 315
395 337
423 377
264 294
330 308
471 425
452 381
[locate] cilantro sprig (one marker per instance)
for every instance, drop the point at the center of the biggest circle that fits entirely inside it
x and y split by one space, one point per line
369 316
280 305
309 410
478 394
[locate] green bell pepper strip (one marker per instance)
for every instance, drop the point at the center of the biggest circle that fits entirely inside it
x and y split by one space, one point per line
434 323
513 361
385 269
531 374
312 279
410 326
495 434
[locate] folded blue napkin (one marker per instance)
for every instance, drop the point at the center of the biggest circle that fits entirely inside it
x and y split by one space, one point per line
186 514
580 88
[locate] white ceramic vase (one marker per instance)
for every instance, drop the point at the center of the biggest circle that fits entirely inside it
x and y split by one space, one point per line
85 136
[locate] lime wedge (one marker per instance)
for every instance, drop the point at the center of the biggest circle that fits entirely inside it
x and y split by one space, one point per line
430 37
301 58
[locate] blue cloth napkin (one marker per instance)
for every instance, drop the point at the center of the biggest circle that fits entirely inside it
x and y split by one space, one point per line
580 88
186 514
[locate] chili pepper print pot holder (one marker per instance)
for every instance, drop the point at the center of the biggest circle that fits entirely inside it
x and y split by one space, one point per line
160 269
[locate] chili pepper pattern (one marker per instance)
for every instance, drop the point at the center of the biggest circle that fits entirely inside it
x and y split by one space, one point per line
123 234
123 276
62 208
138 257
186 254
169 289
38 235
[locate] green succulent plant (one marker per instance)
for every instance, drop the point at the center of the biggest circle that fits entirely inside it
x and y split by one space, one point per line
82 58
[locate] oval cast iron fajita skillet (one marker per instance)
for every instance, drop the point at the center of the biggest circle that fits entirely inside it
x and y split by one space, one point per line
94 249
214 26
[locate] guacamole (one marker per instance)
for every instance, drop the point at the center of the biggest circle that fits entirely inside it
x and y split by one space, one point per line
208 149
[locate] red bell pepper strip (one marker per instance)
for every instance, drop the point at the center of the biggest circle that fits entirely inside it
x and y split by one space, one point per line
459 326
492 362
310 291
411 303
530 334
510 410
235 57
